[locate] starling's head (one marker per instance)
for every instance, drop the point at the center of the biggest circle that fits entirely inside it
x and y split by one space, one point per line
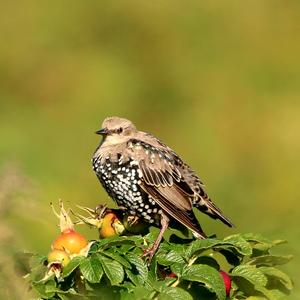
117 128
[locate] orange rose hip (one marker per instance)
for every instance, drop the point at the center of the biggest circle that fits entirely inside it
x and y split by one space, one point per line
70 241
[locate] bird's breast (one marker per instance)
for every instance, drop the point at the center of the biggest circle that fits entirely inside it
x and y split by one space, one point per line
123 181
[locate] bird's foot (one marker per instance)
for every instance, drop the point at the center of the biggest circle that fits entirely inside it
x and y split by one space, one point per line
102 210
132 220
148 254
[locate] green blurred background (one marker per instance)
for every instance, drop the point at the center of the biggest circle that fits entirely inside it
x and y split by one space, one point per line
217 81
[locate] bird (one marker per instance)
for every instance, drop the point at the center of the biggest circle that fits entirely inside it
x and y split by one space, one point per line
148 180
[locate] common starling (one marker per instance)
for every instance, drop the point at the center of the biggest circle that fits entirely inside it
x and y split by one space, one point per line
149 180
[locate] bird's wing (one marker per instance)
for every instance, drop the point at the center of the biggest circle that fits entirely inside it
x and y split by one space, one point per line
170 199
163 181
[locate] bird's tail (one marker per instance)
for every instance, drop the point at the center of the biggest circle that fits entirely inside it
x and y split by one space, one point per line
205 205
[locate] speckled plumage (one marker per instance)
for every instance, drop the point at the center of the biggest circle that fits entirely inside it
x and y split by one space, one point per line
122 182
148 178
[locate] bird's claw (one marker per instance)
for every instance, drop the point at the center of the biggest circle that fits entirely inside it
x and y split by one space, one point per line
148 254
132 220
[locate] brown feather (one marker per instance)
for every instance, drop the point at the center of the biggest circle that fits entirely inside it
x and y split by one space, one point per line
177 208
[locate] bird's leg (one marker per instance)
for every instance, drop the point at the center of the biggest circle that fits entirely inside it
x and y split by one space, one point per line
132 220
164 221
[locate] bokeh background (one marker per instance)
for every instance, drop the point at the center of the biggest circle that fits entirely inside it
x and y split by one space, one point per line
218 81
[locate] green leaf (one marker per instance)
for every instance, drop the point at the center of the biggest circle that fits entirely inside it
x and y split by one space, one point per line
38 273
113 270
250 273
278 277
209 276
177 269
255 237
136 293
72 265
118 258
208 260
234 241
174 293
260 244
91 269
36 260
270 260
46 290
200 245
240 244
119 240
169 258
140 265
178 248
271 294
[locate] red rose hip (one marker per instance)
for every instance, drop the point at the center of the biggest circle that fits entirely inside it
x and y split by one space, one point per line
227 281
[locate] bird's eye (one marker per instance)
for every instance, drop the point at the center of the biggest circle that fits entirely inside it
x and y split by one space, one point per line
120 130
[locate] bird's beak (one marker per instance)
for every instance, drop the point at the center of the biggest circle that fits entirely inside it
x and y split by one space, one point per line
102 131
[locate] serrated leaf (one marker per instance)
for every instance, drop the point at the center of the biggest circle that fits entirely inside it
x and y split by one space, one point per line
113 270
140 266
152 273
169 258
278 276
72 265
250 273
208 276
261 243
91 269
255 237
177 269
174 293
119 240
118 258
200 245
233 241
178 248
240 244
270 260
